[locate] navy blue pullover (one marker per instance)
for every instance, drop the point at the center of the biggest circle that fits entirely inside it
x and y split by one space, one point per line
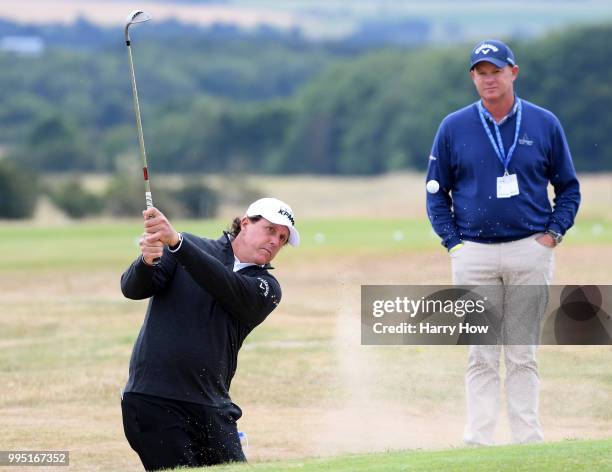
464 163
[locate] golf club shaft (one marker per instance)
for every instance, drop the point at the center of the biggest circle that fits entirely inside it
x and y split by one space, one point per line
143 154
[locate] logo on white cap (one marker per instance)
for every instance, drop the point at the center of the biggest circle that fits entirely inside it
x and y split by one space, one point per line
287 213
278 212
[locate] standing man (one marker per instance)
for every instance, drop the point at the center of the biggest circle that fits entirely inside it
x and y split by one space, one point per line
206 296
493 161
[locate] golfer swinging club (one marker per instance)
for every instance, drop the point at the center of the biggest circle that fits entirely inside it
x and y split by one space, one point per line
206 296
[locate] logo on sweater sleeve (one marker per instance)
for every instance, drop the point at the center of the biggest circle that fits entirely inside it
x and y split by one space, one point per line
264 286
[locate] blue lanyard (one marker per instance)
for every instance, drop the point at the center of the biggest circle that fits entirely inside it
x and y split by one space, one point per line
499 145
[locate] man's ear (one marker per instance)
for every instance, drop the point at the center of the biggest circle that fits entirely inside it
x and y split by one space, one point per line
244 222
515 71
473 76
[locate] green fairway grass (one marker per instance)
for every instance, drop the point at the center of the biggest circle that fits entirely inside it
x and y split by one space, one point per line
109 245
567 456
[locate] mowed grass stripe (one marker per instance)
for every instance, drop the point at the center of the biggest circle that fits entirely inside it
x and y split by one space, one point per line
567 456
112 245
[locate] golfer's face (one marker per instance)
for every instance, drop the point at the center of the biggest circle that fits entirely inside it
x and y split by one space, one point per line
493 83
263 239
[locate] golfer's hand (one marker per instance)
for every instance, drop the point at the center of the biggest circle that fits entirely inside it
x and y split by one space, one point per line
546 240
150 250
158 228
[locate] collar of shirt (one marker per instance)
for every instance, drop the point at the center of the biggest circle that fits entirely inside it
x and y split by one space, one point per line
512 112
237 264
241 265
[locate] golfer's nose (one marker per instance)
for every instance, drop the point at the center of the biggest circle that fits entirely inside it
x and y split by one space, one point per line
275 240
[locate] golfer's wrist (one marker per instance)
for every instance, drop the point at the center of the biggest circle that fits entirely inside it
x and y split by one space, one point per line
176 243
146 262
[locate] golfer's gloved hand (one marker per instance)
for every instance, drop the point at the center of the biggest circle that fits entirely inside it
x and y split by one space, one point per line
150 250
158 228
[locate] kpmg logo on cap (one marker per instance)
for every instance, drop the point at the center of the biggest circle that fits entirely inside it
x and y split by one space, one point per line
486 48
287 213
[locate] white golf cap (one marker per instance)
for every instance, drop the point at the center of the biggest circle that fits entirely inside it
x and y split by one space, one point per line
276 211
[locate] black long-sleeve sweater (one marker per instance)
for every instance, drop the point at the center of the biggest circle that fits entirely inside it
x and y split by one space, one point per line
200 311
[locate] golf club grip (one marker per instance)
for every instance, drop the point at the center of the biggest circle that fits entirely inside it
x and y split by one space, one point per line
149 200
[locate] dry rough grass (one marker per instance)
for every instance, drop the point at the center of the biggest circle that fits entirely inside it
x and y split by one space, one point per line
398 195
307 386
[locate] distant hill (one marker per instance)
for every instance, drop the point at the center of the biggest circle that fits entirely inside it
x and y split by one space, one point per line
379 21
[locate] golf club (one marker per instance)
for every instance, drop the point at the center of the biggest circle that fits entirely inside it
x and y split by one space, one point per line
139 16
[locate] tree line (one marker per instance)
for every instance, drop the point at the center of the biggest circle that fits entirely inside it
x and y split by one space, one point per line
275 106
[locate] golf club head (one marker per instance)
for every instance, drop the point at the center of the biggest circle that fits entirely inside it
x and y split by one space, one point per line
137 16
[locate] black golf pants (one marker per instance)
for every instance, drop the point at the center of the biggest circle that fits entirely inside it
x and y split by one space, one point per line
169 433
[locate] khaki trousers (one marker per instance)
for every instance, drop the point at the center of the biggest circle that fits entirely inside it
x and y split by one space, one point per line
505 265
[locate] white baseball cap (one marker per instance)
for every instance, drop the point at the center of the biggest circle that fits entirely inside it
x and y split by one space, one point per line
276 211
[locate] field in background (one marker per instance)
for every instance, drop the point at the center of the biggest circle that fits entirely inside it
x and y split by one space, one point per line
306 385
394 196
325 18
